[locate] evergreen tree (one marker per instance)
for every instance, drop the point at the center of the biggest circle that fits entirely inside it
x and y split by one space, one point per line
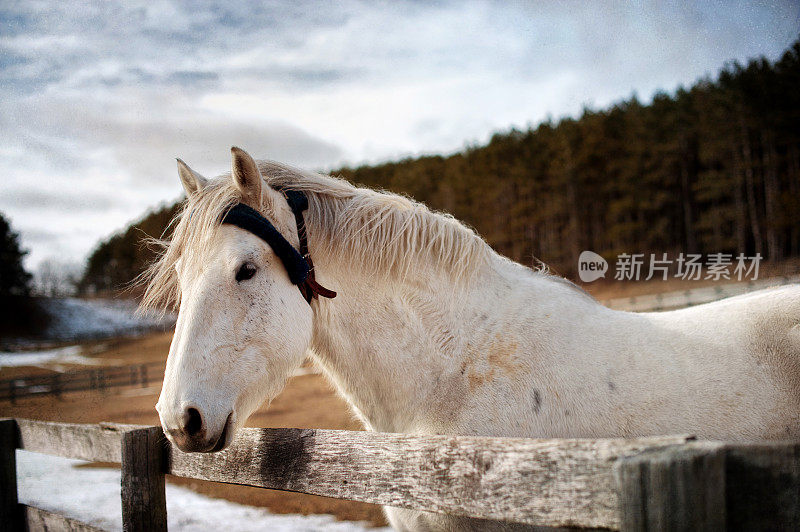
20 314
14 280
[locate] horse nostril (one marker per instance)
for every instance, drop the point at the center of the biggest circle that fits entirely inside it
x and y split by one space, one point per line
193 423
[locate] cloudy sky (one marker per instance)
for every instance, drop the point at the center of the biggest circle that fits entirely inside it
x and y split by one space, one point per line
98 98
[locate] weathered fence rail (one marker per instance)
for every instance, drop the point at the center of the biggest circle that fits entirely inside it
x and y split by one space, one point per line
660 483
82 380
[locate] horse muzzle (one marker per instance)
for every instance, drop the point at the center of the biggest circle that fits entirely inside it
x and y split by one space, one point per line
193 435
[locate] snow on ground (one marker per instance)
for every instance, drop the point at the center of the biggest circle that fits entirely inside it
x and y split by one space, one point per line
73 319
62 355
92 495
80 319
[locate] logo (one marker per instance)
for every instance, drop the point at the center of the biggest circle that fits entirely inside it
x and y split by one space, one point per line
591 266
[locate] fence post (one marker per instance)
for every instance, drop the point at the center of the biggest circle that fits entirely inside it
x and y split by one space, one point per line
681 487
10 512
56 384
144 502
762 482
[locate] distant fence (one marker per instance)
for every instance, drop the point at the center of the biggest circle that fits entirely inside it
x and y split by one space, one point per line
82 380
660 483
694 296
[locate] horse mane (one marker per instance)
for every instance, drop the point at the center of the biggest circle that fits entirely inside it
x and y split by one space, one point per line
379 232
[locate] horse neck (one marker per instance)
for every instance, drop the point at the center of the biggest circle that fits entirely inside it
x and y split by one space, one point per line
395 348
390 346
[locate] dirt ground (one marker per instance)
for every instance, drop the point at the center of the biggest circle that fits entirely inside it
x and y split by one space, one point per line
308 401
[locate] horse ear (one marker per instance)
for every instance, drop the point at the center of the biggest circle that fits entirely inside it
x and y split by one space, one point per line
191 180
246 176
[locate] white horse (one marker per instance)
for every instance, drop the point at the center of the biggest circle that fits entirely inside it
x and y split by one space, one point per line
432 332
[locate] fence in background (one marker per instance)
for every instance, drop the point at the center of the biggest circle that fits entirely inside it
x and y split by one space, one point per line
695 296
82 380
661 483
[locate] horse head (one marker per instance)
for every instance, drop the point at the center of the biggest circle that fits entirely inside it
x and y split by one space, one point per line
243 326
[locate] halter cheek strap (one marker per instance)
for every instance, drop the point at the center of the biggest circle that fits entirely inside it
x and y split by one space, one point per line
298 264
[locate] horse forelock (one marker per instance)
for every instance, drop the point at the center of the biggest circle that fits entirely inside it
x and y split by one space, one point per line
194 224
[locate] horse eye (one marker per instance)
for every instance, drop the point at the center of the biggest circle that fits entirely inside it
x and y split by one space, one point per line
246 271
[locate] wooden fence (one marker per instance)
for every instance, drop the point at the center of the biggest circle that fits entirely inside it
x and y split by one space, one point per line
92 379
660 483
695 296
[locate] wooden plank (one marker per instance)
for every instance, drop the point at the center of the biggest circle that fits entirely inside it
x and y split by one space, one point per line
144 501
544 482
9 508
85 442
675 488
762 484
664 483
39 520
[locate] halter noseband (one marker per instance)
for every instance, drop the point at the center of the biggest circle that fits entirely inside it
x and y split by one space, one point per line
298 264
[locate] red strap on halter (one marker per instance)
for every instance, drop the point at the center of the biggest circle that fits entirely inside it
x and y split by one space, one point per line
311 288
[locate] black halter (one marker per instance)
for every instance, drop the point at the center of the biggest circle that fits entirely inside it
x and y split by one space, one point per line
298 264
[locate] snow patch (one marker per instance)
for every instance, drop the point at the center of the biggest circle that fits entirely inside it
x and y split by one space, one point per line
92 495
73 320
76 319
63 355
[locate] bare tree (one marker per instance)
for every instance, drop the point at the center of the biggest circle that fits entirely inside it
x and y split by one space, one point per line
56 278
